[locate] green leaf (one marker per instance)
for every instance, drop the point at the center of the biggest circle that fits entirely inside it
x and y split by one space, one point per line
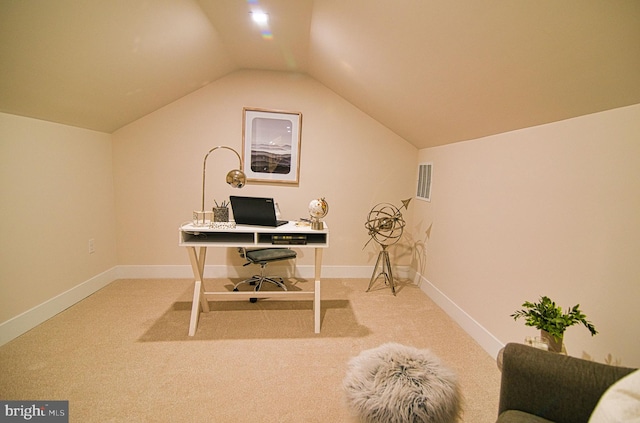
546 315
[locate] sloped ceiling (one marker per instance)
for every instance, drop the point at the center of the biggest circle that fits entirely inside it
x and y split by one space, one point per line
434 72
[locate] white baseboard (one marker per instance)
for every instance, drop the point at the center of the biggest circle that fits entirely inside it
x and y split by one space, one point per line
28 320
482 336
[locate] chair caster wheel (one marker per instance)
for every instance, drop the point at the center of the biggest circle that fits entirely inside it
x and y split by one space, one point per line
235 290
253 300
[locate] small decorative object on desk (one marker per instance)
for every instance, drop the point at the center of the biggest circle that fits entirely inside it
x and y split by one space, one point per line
202 218
221 212
222 225
221 216
318 209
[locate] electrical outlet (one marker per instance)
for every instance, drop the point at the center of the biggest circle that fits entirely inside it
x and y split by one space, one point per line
92 247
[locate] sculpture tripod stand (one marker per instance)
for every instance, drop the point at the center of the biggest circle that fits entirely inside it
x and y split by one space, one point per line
385 270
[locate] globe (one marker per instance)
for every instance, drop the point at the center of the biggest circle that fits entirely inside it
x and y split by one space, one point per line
318 208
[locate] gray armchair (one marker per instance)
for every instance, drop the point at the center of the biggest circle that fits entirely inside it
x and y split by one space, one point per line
540 387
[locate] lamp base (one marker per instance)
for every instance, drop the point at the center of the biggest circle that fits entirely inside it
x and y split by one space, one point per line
202 218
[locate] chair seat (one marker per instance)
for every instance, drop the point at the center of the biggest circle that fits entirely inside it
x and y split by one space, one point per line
262 257
270 254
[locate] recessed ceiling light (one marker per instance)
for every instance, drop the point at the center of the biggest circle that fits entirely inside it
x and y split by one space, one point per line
259 17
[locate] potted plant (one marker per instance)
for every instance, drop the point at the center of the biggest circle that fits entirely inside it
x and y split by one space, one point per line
552 322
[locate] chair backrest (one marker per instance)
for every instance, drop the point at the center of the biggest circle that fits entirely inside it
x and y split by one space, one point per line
553 386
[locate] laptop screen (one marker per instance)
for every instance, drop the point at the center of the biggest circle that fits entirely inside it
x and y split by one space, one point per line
258 211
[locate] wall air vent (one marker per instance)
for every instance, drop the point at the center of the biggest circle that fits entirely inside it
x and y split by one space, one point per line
424 181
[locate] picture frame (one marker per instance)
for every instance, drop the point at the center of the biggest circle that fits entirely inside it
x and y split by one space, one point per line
271 142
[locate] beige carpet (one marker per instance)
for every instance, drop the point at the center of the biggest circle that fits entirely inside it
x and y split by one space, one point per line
123 354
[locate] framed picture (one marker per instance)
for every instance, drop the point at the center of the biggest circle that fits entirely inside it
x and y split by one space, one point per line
271 145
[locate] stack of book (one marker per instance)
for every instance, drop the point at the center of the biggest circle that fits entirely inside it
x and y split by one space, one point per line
289 239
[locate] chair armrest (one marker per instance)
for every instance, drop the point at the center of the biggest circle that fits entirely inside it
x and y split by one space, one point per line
553 386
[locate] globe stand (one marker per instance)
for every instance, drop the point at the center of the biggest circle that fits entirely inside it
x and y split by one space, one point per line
318 209
383 257
317 224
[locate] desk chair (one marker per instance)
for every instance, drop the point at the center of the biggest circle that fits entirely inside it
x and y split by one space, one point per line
263 257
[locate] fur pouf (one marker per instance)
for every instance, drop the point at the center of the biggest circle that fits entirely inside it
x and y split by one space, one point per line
394 383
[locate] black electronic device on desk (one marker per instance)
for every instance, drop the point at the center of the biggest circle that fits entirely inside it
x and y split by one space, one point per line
259 211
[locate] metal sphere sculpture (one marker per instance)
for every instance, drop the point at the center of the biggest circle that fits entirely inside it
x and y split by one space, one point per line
385 226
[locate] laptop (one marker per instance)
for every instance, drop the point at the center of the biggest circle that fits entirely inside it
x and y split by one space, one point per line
255 211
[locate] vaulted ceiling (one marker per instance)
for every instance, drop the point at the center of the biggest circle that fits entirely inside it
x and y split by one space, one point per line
434 72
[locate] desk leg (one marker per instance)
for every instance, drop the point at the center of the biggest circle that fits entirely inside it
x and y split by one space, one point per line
316 297
199 299
195 308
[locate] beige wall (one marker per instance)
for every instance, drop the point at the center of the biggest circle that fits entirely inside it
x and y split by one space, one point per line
551 210
57 193
346 157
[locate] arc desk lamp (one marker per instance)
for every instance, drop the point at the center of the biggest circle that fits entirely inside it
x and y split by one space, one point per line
235 177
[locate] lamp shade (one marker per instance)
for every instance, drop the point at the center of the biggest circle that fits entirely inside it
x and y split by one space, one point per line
236 178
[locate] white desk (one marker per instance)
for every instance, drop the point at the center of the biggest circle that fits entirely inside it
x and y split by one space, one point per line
197 239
